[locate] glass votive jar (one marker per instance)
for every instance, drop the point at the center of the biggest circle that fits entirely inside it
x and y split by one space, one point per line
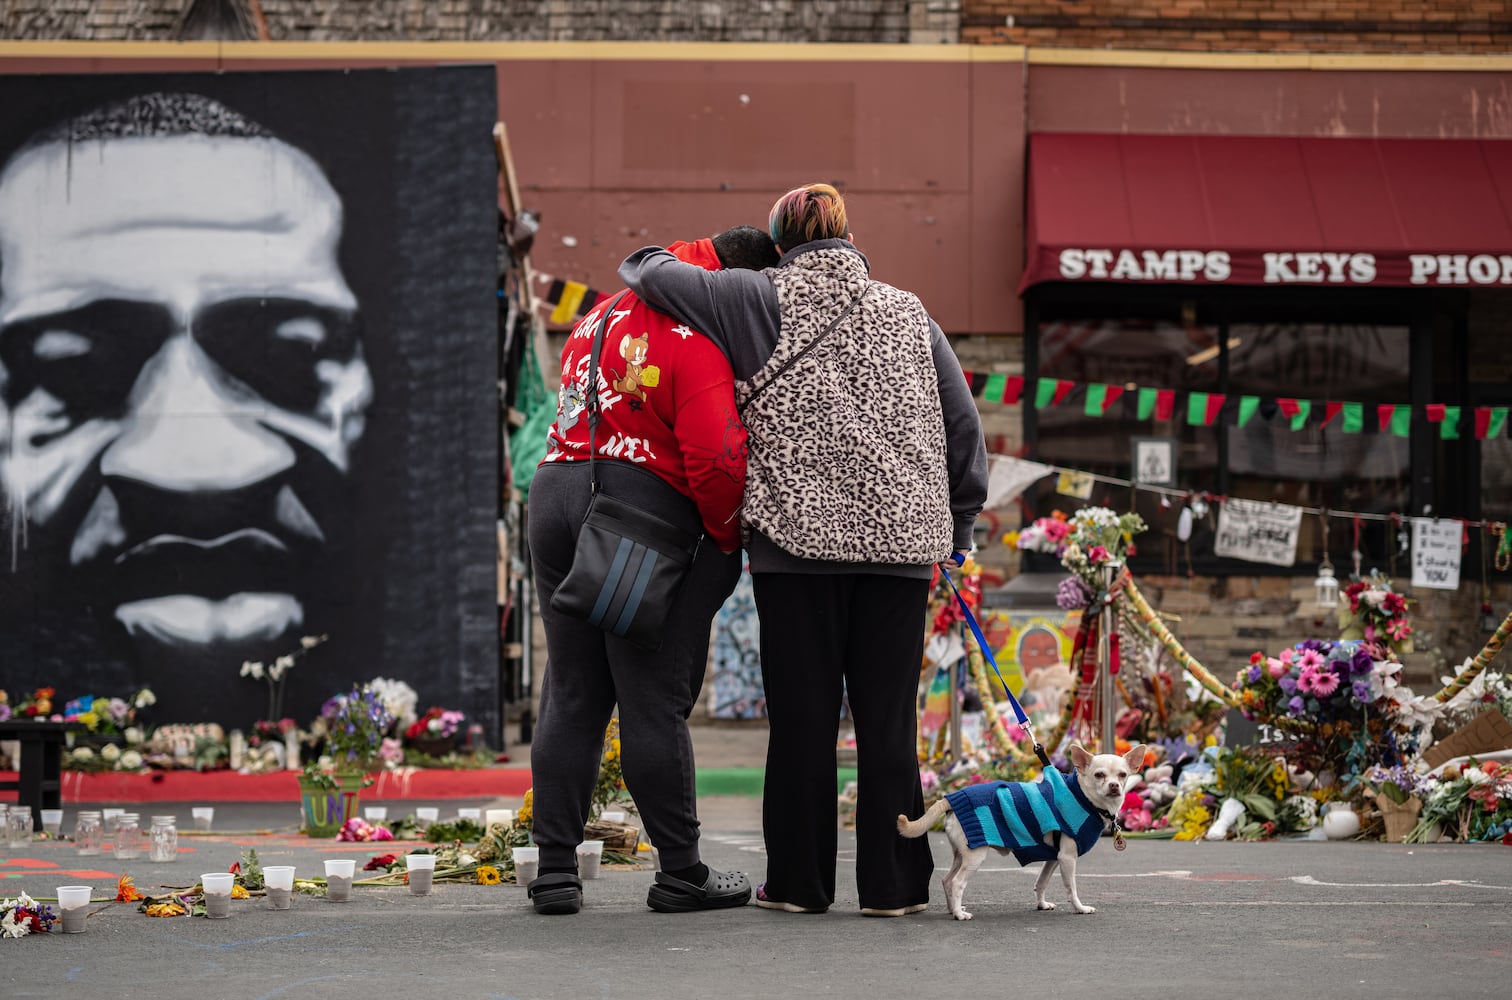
162 839
18 823
126 841
89 834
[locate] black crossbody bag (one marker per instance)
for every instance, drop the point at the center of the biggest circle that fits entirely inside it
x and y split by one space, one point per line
629 563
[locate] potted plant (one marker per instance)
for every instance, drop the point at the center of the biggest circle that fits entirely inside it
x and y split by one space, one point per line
356 724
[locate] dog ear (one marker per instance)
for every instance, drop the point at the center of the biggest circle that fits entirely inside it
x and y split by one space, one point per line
1135 758
1081 759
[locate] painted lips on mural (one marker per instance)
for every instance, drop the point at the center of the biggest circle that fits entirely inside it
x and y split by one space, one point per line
182 379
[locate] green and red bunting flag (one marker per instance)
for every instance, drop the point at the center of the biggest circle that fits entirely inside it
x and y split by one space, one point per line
1295 410
1248 407
1354 418
1100 397
1331 410
1447 417
1489 421
1051 391
1203 407
1159 403
1394 417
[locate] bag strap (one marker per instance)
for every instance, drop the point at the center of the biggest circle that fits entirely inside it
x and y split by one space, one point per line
593 387
809 347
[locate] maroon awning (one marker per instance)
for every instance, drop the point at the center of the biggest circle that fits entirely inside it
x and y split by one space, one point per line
1267 210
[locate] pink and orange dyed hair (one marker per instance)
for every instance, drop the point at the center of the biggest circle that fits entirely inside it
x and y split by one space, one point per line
812 212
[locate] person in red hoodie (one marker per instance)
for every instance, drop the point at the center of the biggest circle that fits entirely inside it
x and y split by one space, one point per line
669 439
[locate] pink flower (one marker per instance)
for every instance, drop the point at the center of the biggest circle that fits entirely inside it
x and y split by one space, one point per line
1277 667
1325 683
1398 629
1287 655
1306 680
1137 820
1311 659
1097 554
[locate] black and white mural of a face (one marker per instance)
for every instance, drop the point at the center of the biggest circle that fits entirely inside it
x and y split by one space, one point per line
188 397
181 368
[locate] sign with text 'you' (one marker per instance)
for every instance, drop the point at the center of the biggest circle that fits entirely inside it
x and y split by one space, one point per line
1436 553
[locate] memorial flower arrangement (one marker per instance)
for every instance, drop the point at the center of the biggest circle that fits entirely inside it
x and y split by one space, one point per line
358 830
37 705
1045 534
356 724
108 716
436 723
1470 801
1373 612
23 915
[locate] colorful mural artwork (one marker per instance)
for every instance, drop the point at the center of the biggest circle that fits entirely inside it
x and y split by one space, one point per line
247 388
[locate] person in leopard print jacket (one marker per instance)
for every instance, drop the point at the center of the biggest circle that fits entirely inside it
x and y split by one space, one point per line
866 466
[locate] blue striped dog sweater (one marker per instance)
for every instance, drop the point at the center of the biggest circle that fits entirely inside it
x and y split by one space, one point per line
1017 814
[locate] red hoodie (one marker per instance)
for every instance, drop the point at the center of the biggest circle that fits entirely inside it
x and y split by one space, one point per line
666 403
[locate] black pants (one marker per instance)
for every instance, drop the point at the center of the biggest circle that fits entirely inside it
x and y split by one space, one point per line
588 671
817 631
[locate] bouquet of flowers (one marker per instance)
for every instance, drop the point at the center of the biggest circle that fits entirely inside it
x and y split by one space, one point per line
610 786
107 716
436 723
1046 534
1104 536
37 705
1376 614
356 724
23 915
1470 802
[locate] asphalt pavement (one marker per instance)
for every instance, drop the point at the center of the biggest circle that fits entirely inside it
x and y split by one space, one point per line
1174 920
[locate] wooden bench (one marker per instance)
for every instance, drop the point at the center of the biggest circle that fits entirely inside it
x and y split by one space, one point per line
40 782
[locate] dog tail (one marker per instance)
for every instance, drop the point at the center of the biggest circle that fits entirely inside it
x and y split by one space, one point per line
920 826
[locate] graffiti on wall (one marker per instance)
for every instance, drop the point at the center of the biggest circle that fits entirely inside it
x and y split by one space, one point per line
246 387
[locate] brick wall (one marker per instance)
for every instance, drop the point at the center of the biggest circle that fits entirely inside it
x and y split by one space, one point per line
1394 26
875 21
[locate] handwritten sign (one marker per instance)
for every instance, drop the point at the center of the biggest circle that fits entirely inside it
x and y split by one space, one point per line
1436 553
1258 532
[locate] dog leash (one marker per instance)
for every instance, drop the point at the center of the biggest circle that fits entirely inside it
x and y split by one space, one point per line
1018 710
976 630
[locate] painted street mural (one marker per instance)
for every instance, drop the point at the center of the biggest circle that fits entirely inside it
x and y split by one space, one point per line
246 386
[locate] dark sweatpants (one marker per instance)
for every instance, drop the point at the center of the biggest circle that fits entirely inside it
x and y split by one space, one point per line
588 671
818 630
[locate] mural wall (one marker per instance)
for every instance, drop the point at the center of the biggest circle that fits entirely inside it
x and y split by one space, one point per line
247 387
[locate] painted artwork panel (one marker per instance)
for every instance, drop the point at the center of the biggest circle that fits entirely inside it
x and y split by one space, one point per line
248 386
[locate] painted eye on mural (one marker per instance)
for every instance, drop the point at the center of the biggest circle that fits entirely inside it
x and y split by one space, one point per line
88 358
275 346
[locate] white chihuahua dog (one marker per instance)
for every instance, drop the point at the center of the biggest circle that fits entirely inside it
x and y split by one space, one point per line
1048 820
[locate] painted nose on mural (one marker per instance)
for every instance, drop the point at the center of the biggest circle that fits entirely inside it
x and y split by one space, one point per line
190 429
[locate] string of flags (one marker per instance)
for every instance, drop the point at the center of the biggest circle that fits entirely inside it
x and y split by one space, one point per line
1204 409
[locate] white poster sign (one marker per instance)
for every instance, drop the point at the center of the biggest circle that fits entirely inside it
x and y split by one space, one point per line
1258 532
1436 553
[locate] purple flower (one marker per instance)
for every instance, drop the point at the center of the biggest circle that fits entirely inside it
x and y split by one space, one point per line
5 711
1254 673
1317 645
1288 684
1361 662
1295 706
1361 691
1072 594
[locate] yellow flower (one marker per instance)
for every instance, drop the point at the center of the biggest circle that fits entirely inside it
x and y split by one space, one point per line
165 910
89 719
237 892
527 811
489 875
614 745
